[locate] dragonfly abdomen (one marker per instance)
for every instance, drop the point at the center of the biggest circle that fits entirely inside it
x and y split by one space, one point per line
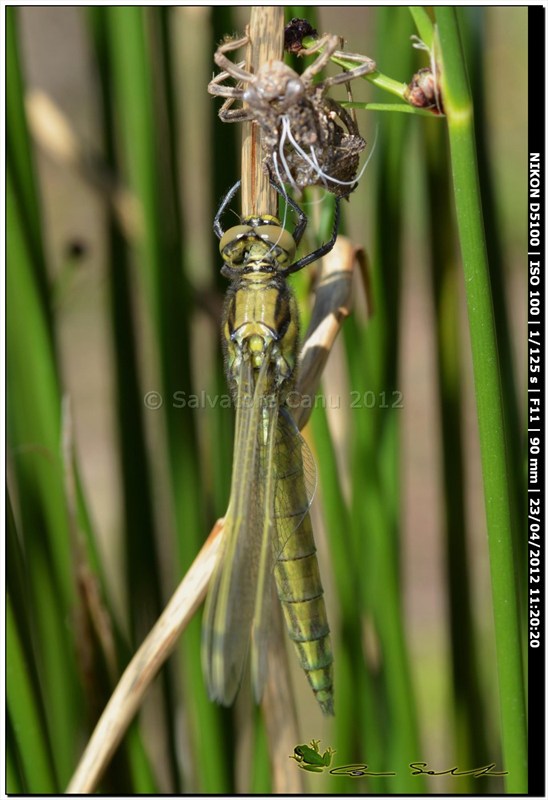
301 594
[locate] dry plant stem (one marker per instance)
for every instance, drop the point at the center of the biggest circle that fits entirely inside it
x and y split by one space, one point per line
265 32
333 301
332 306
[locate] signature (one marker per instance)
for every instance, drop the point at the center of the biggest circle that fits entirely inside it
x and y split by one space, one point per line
418 768
358 771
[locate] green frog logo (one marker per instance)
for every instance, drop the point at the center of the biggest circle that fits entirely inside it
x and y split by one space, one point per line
308 757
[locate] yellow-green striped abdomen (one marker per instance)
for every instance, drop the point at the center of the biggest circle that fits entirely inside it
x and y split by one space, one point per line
298 579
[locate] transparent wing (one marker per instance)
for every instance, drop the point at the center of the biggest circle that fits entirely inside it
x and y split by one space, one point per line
263 597
273 483
231 598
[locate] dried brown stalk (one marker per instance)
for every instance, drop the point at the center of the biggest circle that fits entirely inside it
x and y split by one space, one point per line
266 43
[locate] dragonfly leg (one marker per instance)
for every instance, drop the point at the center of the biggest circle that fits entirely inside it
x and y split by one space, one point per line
330 42
321 251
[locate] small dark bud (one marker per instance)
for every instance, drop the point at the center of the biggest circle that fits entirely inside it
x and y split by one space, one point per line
295 32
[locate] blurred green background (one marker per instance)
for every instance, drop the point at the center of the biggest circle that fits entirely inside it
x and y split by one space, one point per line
116 164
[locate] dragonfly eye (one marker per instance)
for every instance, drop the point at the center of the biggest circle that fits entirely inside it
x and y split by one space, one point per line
280 240
235 243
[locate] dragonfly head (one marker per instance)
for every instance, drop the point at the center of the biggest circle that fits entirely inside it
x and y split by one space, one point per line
258 244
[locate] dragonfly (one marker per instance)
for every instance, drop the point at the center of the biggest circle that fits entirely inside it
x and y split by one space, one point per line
267 529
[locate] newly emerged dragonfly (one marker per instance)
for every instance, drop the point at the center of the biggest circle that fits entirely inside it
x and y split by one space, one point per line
267 528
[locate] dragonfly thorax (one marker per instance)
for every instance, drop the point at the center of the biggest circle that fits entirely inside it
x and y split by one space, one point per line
261 323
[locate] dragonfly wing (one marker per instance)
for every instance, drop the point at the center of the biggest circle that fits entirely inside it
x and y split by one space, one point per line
231 598
263 598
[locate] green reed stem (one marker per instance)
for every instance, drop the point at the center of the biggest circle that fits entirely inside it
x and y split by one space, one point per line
34 433
25 715
470 715
459 111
